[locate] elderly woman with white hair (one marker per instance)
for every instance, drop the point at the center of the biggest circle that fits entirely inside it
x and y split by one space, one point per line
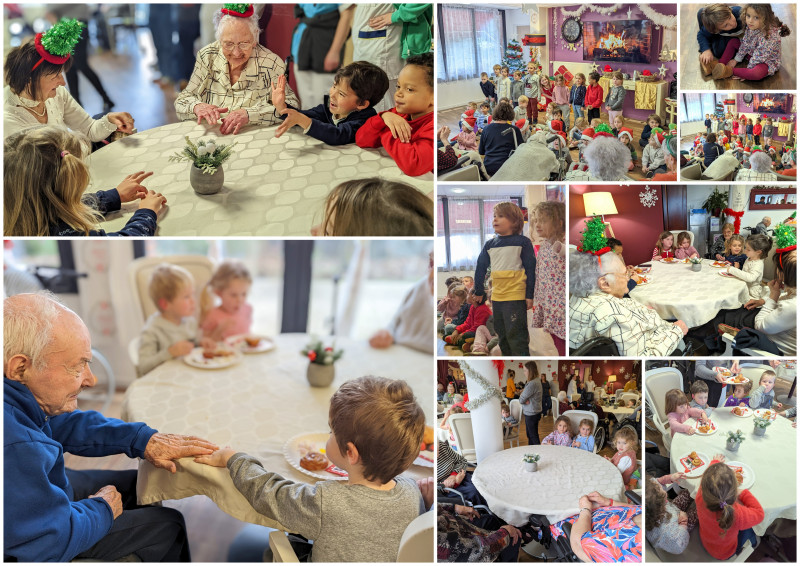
670 148
760 168
607 159
234 75
597 285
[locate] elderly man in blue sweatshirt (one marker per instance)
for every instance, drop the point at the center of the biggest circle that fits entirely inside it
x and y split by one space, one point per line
52 513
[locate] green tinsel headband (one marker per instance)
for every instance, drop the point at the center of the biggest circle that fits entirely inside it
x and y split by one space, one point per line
593 239
785 238
56 44
238 10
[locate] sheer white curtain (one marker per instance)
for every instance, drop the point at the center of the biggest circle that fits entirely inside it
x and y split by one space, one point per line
472 41
695 107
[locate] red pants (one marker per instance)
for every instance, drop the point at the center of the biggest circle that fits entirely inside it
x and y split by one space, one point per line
533 111
755 74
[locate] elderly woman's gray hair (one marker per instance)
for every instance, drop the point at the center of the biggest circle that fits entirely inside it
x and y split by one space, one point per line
760 162
670 146
221 20
608 158
28 326
585 270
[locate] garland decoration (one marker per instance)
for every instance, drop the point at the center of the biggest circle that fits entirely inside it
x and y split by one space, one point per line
605 10
661 20
737 223
489 389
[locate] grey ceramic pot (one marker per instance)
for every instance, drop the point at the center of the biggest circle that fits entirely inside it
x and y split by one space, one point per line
206 184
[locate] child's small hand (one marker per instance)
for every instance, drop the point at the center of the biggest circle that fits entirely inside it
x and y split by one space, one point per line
398 125
131 187
683 518
779 405
742 405
208 343
529 304
691 431
444 135
153 201
381 339
293 118
607 458
279 93
736 264
677 476
448 320
720 258
218 459
180 348
719 457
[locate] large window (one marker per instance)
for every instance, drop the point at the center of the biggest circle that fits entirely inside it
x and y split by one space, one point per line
470 41
466 225
694 107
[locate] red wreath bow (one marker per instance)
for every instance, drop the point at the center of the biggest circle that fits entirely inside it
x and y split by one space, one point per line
607 69
737 222
647 73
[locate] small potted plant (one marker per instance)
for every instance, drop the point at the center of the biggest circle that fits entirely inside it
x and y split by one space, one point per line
531 462
321 371
760 426
696 262
206 175
734 440
716 202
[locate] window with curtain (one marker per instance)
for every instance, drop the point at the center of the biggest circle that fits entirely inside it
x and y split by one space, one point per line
694 107
470 41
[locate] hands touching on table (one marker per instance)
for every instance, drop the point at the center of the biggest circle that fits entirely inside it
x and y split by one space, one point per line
218 459
112 497
234 121
279 93
153 200
162 449
208 112
130 188
122 120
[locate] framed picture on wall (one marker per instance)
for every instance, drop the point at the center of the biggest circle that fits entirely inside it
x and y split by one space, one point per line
769 198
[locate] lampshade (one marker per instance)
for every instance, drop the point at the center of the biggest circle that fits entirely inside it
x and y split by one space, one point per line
612 378
598 204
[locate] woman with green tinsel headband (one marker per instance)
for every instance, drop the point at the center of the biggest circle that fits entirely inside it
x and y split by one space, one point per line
35 93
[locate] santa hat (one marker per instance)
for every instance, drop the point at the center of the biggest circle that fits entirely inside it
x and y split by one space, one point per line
625 132
238 10
772 149
724 139
607 69
555 127
747 150
587 134
593 239
56 44
603 131
520 123
658 133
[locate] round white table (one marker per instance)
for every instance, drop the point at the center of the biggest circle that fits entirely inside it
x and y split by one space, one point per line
772 457
695 297
564 475
618 412
273 186
255 407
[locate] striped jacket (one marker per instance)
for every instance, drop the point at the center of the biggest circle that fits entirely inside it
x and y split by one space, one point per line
513 266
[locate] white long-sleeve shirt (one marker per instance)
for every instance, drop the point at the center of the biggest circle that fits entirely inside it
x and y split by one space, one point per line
778 320
752 272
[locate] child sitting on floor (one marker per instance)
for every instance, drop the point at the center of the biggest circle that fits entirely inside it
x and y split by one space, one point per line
482 117
406 131
763 396
478 314
561 435
734 249
678 412
685 248
467 140
468 116
739 397
376 207
653 121
585 438
653 155
725 514
625 135
362 519
626 442
350 102
231 282
452 306
617 124
577 131
756 248
699 392
172 331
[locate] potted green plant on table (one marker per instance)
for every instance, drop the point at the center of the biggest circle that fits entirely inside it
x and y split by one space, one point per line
696 263
321 358
531 462
206 174
734 440
760 426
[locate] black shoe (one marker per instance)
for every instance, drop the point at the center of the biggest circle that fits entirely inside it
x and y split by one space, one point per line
108 104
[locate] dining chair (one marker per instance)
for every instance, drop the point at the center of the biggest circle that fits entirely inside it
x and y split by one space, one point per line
515 408
461 428
657 382
575 417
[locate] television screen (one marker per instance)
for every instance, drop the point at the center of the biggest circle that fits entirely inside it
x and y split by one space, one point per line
774 103
625 41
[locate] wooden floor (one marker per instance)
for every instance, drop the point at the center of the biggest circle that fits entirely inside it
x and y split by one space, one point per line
690 78
450 118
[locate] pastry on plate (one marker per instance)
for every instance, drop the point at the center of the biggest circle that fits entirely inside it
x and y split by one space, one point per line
314 461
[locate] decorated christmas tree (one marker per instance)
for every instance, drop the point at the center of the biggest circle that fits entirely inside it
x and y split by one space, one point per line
513 57
593 239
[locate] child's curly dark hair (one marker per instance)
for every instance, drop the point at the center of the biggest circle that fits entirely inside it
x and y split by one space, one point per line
764 11
655 504
424 60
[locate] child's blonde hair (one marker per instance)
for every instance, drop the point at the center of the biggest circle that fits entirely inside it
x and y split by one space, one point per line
513 213
166 282
522 99
559 78
728 226
617 75
581 76
664 234
719 490
768 373
729 243
377 207
673 399
629 435
226 272
581 123
473 105
44 181
556 211
458 291
595 122
587 422
552 107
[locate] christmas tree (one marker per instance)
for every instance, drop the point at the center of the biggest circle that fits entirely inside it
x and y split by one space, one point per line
513 57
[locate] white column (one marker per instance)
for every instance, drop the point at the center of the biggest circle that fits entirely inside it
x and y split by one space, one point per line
486 426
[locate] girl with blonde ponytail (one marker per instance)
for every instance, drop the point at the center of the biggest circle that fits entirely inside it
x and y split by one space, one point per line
44 181
230 283
726 519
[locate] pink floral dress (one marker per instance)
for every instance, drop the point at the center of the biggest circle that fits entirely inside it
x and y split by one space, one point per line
760 49
549 296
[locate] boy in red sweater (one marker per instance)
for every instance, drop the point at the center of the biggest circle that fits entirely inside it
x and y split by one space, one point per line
757 129
406 131
726 521
478 315
594 97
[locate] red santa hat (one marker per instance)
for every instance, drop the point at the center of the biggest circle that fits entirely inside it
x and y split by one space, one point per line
724 139
625 132
747 150
772 149
555 127
587 134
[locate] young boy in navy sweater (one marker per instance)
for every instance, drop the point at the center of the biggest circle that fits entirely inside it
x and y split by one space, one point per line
513 263
356 89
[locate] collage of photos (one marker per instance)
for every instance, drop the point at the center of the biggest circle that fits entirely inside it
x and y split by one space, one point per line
415 283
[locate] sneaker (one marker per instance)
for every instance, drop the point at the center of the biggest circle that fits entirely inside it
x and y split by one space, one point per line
466 348
448 339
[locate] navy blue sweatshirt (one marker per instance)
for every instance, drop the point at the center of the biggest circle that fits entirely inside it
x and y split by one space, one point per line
488 89
142 223
343 133
577 94
705 38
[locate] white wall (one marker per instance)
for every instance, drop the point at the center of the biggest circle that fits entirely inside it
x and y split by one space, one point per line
457 94
696 194
691 128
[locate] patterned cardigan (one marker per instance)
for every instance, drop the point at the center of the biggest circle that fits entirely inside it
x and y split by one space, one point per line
458 540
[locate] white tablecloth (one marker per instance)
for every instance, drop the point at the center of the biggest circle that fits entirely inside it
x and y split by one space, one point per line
618 412
695 297
255 407
772 457
564 475
273 187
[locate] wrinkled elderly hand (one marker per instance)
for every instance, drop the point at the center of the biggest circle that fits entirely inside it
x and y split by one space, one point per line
381 339
293 118
131 186
682 325
122 120
162 449
233 122
208 112
450 481
380 22
112 497
467 512
513 532
398 125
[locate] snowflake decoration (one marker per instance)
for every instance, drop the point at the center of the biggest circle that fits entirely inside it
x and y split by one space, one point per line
662 71
564 367
597 369
648 197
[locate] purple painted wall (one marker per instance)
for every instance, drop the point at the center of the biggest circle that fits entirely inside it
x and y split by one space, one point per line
743 108
558 53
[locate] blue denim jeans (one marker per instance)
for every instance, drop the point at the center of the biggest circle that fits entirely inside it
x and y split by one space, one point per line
578 112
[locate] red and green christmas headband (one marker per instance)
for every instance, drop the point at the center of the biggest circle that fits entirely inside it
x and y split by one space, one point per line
593 239
785 239
56 44
238 10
